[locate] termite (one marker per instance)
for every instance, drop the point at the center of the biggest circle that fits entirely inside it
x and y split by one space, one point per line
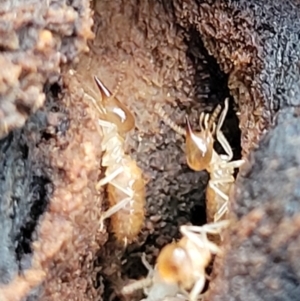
184 262
154 287
180 266
200 155
124 179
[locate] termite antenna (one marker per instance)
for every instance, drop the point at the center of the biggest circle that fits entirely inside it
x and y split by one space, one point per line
121 78
213 118
137 285
167 120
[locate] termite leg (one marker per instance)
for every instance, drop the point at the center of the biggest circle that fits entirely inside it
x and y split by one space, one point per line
110 177
114 209
220 136
137 285
218 191
222 116
128 192
119 205
224 206
226 180
200 240
193 232
221 212
211 228
215 228
226 146
197 289
233 164
147 265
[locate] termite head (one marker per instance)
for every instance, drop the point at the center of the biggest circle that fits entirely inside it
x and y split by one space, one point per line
174 265
115 111
199 148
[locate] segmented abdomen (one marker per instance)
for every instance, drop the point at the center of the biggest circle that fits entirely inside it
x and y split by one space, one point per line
128 221
214 201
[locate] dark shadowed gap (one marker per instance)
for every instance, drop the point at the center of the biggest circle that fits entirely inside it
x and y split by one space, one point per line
40 199
217 81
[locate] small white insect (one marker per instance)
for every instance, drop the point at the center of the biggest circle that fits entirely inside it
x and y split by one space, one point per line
180 266
123 178
201 155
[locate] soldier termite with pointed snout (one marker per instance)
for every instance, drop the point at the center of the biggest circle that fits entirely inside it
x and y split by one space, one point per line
200 155
124 179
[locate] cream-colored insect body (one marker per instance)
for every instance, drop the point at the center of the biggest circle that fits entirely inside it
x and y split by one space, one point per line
181 265
154 287
124 179
185 262
201 155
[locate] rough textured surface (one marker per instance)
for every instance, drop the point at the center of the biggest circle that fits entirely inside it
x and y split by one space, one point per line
36 37
260 261
63 132
161 63
53 166
257 44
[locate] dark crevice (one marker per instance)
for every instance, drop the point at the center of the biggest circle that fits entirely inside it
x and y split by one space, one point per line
40 200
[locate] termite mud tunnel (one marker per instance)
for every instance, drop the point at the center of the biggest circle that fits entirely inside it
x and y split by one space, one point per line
187 55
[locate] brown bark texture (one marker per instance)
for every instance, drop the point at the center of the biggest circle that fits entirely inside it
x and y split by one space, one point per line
188 56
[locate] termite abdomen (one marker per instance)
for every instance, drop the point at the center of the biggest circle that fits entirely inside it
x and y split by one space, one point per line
128 221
